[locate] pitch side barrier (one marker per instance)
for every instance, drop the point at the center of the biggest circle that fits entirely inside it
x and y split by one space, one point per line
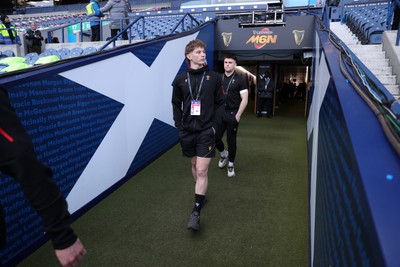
354 169
96 121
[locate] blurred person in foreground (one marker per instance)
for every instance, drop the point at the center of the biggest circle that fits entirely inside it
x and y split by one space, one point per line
18 160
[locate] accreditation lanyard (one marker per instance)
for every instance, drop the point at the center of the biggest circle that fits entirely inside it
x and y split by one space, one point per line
229 84
195 106
266 83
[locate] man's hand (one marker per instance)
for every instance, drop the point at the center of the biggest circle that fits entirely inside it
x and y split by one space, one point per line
71 256
237 117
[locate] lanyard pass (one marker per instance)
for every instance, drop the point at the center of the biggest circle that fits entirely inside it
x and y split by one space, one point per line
195 108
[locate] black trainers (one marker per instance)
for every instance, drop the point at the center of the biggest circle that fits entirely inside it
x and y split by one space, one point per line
194 221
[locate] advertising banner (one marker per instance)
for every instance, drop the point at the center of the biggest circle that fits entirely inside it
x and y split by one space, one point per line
295 34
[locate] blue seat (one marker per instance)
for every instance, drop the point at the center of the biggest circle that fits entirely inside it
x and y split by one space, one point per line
76 51
52 51
63 50
89 50
64 54
31 58
45 54
7 53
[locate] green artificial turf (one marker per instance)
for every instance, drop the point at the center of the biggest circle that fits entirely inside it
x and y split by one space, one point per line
257 218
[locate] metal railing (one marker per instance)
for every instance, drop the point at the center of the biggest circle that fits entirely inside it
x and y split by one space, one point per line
135 25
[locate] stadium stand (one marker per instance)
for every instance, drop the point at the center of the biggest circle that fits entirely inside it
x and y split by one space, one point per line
362 28
366 20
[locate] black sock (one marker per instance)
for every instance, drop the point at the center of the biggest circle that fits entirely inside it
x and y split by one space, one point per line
198 202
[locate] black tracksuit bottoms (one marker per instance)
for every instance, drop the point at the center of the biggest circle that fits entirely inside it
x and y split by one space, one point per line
227 121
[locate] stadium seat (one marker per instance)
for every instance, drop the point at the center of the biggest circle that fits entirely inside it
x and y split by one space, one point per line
7 61
8 53
15 66
76 51
52 51
47 59
31 58
89 50
64 54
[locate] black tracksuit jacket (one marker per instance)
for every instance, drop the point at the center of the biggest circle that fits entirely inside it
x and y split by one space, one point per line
18 160
211 98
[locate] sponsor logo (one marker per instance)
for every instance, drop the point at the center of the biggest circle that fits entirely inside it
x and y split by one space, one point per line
262 37
298 36
227 38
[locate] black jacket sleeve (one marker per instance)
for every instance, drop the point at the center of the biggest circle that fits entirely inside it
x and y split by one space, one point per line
177 102
18 160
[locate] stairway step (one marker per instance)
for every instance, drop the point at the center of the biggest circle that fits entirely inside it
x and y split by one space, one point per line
366 48
370 55
393 89
376 70
376 63
387 79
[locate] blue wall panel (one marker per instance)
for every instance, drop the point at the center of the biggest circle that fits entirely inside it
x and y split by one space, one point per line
354 211
96 121
344 228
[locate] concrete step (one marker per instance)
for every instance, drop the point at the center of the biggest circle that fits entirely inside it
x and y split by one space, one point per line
381 70
370 55
350 41
366 48
394 90
387 79
376 63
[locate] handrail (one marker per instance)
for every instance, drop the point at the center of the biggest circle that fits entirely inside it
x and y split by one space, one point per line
112 40
62 28
181 23
182 20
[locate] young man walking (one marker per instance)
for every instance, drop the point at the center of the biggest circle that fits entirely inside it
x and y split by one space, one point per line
236 95
195 98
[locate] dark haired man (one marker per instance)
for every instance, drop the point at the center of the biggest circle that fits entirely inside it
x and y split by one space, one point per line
236 94
195 98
